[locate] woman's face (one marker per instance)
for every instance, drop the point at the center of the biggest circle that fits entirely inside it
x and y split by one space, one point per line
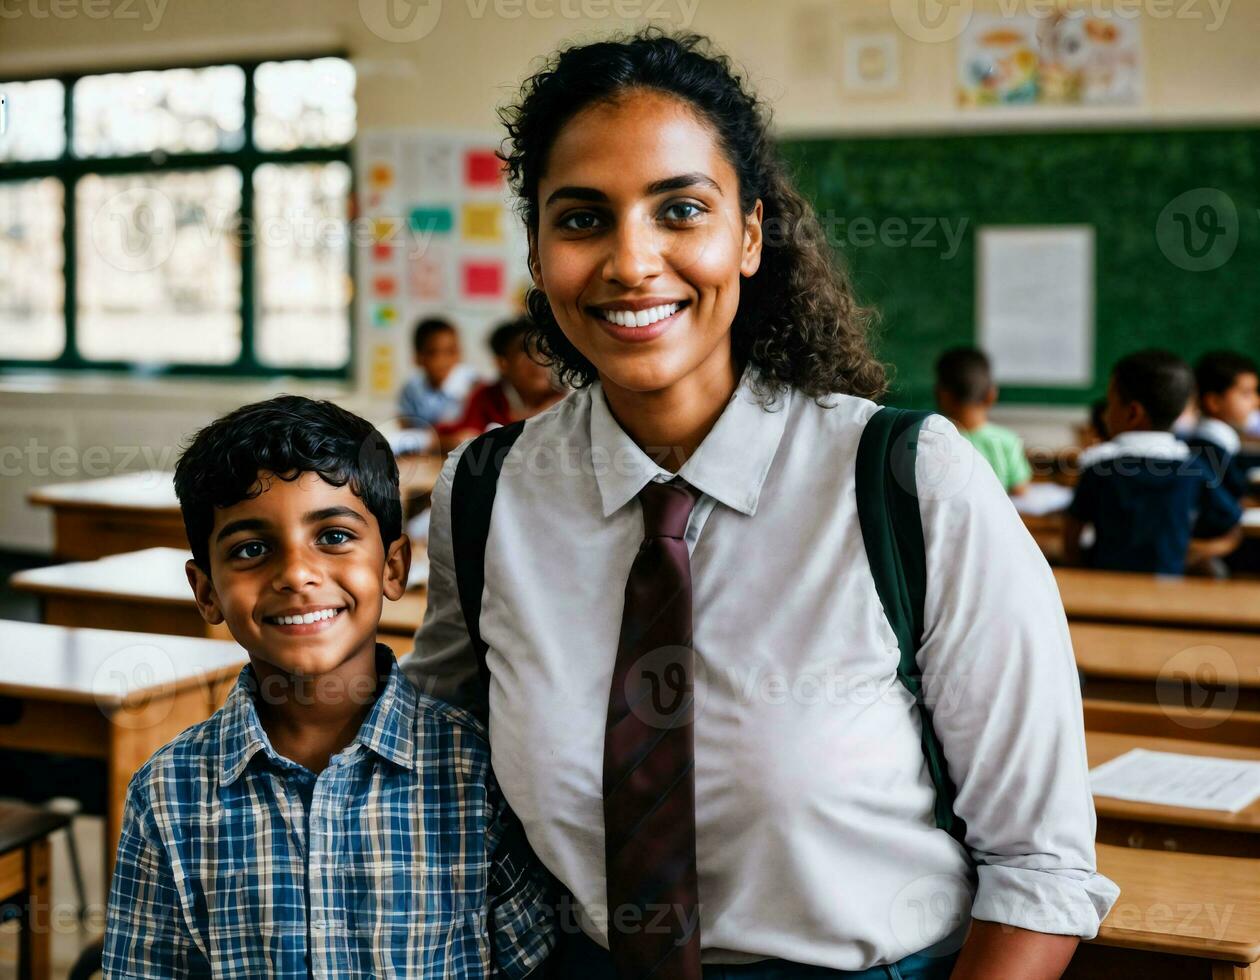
641 243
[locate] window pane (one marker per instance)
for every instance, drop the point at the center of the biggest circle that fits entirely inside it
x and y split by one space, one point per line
37 120
303 263
32 290
159 267
184 110
303 103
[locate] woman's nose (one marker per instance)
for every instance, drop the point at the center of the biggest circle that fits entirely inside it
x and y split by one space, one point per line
635 254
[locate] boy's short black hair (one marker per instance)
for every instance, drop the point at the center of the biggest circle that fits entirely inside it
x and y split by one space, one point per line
1218 371
1159 381
1098 417
287 435
964 372
506 335
426 328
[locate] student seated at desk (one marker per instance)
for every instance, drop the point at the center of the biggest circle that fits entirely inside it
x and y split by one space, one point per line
1143 490
523 390
1228 397
439 390
965 393
329 819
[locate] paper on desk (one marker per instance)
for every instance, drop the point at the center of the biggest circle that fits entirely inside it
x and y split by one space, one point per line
1174 779
1251 517
1253 474
1040 499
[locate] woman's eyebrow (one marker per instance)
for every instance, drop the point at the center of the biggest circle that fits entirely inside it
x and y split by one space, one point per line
656 187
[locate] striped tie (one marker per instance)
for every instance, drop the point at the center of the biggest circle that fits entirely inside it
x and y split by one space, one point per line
649 762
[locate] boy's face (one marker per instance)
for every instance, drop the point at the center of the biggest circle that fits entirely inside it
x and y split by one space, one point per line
1236 404
300 547
1122 415
439 356
524 374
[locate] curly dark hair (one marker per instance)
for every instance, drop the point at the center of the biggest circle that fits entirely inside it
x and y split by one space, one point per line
798 320
287 436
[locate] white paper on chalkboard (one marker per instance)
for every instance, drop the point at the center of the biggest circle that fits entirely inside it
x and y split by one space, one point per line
1035 303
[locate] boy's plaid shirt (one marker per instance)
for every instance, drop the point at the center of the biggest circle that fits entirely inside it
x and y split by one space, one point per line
410 864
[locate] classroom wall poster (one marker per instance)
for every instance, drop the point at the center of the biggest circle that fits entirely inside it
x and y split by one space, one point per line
442 239
1070 57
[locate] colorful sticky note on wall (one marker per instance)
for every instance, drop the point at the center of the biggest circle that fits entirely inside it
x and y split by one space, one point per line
426 278
385 229
382 369
382 251
436 219
384 286
482 279
482 222
384 315
482 169
381 175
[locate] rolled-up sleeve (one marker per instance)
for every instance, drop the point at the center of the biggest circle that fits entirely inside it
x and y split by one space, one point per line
442 662
1000 679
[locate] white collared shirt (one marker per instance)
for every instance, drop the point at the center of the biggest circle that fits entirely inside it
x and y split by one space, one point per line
1148 444
815 834
1219 433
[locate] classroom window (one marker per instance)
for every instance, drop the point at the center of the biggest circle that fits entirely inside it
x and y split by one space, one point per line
188 220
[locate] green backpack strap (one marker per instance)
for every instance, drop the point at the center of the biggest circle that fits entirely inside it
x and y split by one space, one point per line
892 531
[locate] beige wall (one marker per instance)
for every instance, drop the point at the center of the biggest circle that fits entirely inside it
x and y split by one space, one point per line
1201 68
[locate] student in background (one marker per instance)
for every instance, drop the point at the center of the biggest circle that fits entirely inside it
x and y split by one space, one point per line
965 393
1143 489
1228 397
438 391
523 390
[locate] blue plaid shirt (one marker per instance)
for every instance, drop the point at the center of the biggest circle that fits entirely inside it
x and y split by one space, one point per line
408 863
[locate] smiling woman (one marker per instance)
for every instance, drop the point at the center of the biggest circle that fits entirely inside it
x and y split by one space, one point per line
710 724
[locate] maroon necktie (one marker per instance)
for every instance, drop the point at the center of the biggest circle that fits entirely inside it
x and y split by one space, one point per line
649 762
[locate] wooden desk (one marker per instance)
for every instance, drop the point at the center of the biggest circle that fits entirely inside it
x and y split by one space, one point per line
1230 726
135 511
1174 828
1154 664
1162 600
148 590
120 513
107 695
1183 916
26 877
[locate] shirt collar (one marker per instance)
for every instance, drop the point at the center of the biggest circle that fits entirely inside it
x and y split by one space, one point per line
388 730
1220 433
1152 445
730 465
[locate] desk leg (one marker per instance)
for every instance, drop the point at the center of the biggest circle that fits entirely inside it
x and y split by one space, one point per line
136 732
1233 971
35 938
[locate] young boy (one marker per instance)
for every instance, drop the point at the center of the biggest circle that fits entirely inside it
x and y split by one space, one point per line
439 391
523 390
965 393
1144 490
1228 397
328 820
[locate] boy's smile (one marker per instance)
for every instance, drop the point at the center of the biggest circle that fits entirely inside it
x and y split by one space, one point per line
298 573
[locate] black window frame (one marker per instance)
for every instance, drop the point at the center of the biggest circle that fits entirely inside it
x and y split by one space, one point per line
69 169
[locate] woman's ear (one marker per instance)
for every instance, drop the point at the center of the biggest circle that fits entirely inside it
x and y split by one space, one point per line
397 567
203 593
535 270
750 257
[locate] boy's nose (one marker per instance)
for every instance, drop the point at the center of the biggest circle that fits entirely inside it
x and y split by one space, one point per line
296 572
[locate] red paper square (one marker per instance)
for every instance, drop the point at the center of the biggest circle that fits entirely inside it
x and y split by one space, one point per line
482 169
483 279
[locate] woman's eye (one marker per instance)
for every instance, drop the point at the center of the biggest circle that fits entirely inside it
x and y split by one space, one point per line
579 221
336 536
248 549
683 211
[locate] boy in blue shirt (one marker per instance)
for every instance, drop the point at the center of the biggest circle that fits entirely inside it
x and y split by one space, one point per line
1145 493
439 390
1228 398
329 820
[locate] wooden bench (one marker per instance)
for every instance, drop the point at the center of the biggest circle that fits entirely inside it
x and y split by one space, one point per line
1212 725
1193 603
26 881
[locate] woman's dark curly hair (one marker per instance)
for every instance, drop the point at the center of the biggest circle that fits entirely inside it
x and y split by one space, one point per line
798 320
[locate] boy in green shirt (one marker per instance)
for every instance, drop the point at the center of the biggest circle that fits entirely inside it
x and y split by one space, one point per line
964 394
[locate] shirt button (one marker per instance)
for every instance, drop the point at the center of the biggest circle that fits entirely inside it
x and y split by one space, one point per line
317 923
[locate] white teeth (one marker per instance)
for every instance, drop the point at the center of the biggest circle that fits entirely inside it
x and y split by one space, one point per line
311 617
643 318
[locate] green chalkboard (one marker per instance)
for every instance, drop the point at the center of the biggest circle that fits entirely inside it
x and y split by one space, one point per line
891 206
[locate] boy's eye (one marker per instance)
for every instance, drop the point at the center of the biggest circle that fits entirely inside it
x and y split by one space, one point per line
248 549
335 536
